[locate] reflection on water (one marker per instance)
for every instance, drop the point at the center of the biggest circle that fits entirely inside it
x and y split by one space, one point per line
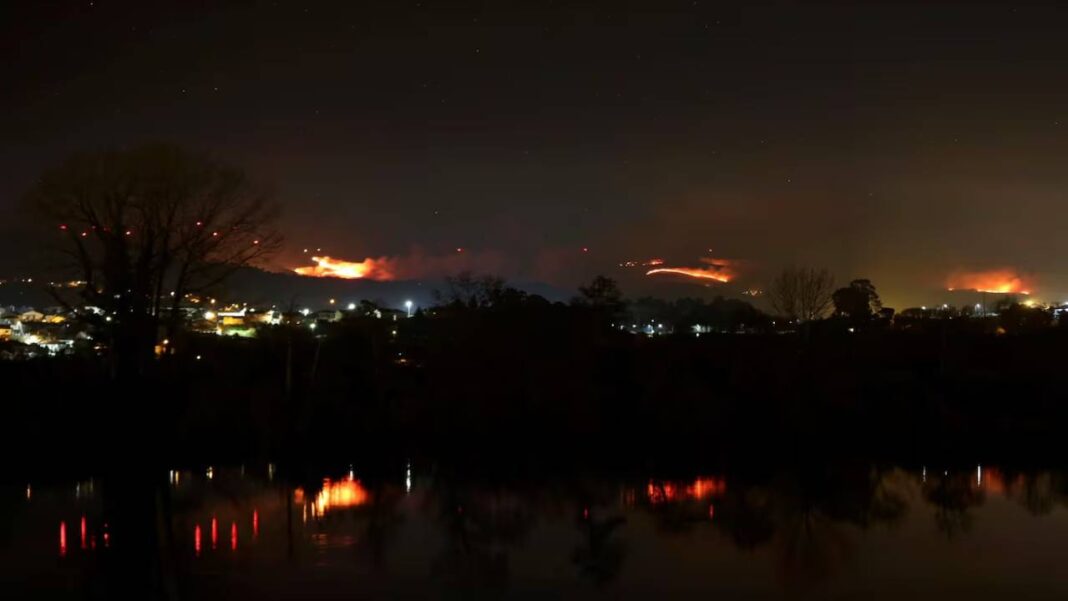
334 495
867 532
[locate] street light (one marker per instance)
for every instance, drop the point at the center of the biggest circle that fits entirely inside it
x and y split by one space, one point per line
408 305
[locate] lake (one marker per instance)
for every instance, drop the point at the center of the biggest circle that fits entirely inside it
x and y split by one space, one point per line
422 530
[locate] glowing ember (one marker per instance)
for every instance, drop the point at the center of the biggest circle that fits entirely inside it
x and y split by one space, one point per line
326 267
646 263
999 281
718 270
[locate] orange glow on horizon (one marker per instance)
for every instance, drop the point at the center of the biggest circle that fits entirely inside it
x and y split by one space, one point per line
327 267
998 281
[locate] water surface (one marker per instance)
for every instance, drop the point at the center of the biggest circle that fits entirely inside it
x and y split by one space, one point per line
975 532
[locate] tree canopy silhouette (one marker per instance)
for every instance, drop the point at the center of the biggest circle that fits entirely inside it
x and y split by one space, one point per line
144 227
858 301
801 293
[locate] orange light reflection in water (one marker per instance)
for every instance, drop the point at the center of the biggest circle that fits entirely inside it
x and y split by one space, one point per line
63 539
701 488
339 494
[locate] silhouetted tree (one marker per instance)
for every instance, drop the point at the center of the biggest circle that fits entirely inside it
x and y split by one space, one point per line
1016 317
603 301
858 301
144 227
600 556
468 290
603 292
801 293
953 498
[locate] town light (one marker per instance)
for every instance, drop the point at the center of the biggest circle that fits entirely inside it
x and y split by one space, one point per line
209 315
408 305
352 306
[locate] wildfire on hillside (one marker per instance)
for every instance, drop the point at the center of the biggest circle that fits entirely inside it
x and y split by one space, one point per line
999 281
327 267
719 270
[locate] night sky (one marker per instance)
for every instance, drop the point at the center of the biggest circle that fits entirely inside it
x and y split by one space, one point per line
898 142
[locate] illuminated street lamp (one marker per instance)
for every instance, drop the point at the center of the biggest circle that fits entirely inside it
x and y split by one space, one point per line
408 305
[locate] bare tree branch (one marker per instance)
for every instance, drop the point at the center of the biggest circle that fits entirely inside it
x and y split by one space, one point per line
140 224
802 294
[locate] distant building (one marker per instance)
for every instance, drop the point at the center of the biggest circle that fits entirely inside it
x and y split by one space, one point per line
31 316
328 315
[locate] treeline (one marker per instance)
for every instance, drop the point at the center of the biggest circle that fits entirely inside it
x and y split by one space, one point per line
489 369
493 369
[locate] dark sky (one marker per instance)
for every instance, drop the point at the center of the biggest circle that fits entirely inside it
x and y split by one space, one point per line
897 141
